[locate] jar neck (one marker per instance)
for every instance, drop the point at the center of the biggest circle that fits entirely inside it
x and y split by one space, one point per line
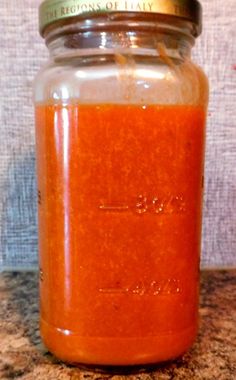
121 35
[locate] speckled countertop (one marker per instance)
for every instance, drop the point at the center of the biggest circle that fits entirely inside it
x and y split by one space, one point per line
23 357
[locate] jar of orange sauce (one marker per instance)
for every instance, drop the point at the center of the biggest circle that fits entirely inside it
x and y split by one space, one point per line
120 131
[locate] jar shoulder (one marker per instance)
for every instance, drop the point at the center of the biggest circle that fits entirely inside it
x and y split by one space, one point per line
119 79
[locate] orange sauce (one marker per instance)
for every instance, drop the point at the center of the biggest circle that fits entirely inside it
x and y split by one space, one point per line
120 198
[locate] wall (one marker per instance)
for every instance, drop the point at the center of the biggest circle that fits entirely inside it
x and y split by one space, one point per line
23 52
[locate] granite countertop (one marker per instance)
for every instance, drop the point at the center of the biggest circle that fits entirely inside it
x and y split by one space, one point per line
23 357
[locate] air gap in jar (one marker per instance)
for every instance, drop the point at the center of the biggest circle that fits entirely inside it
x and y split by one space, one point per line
120 130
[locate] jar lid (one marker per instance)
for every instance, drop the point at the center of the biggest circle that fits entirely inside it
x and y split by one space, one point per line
51 11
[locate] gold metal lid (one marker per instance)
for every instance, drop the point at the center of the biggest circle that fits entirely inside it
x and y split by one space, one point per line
51 11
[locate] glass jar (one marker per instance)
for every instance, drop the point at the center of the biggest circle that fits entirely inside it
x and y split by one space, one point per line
120 130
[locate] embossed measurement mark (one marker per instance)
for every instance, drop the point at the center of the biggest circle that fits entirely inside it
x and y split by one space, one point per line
41 274
112 290
39 198
170 286
172 204
111 207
